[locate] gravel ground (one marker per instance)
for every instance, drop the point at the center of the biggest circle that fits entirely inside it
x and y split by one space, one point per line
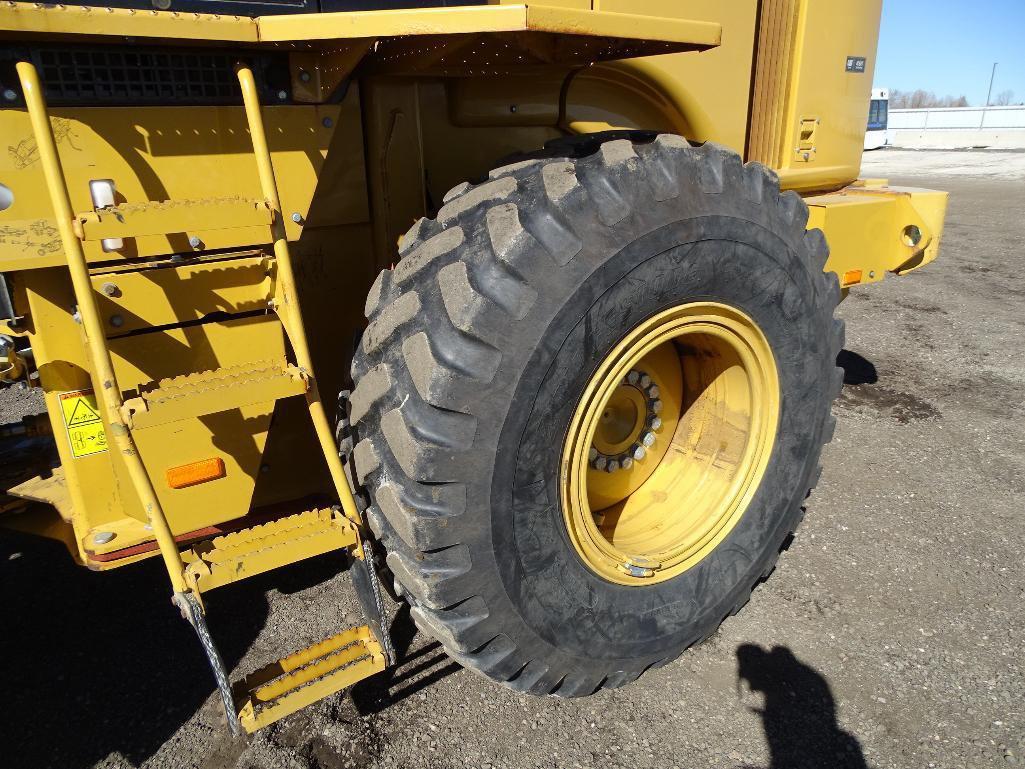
890 635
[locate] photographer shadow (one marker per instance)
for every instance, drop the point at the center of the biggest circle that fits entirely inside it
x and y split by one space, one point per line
799 715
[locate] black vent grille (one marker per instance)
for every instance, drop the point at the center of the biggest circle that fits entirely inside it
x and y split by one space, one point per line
137 76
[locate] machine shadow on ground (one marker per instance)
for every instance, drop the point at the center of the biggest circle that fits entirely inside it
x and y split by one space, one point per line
799 711
414 671
105 664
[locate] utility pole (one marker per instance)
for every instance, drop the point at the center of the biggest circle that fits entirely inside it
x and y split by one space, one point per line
991 76
989 93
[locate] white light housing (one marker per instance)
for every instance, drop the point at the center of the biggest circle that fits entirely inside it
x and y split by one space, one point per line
102 192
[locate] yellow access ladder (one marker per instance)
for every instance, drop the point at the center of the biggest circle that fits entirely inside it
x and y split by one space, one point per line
330 665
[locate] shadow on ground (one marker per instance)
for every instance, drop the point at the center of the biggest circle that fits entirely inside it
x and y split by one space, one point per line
415 670
799 714
857 369
101 663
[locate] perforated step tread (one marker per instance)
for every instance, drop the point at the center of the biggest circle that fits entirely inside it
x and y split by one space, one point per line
306 676
211 392
242 554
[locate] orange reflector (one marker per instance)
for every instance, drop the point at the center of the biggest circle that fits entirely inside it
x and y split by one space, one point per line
851 277
195 472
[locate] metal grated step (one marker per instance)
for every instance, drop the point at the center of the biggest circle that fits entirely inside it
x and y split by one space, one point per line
211 392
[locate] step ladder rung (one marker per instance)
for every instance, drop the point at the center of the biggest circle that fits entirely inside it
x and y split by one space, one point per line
133 220
211 392
242 554
309 675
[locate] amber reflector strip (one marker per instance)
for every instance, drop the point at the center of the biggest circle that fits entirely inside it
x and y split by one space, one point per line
851 277
195 472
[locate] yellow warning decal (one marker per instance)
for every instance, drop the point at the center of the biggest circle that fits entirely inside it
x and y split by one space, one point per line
85 428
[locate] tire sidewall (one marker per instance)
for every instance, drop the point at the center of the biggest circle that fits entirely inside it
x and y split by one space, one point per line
558 598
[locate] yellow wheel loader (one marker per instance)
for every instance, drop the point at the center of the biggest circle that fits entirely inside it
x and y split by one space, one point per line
572 266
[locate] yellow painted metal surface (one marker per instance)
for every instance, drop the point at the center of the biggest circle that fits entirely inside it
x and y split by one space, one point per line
813 108
703 96
484 19
867 228
19 18
157 154
133 297
648 494
22 18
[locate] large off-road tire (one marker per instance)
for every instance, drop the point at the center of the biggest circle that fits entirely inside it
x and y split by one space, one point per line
477 376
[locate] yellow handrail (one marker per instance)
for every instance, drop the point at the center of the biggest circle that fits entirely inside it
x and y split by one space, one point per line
103 379
290 312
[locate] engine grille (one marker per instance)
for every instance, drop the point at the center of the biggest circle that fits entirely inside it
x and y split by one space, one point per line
111 76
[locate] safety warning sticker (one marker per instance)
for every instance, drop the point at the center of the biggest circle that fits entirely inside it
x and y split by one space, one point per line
85 428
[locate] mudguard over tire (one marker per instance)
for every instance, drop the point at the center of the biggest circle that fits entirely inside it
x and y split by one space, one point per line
480 344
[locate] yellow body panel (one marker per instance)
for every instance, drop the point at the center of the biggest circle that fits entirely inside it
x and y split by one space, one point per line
184 385
422 135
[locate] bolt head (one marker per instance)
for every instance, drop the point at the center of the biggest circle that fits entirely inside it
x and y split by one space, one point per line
327 122
639 452
304 76
110 289
592 454
656 423
633 377
282 95
297 218
195 242
626 462
10 94
117 321
612 466
599 463
645 381
648 439
656 406
103 537
653 391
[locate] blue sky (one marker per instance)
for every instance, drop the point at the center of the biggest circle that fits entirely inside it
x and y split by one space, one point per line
949 46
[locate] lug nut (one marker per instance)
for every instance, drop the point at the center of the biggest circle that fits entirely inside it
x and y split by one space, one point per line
645 380
626 462
653 391
592 454
612 466
633 377
639 452
655 423
656 406
599 463
648 439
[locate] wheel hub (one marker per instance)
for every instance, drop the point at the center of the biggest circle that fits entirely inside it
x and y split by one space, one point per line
629 424
669 442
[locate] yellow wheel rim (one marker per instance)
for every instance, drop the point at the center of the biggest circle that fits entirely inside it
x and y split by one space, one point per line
669 443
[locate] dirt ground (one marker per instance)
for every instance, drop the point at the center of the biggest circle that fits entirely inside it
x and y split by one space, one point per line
890 635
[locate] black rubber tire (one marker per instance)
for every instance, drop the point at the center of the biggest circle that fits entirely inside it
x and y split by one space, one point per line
481 340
